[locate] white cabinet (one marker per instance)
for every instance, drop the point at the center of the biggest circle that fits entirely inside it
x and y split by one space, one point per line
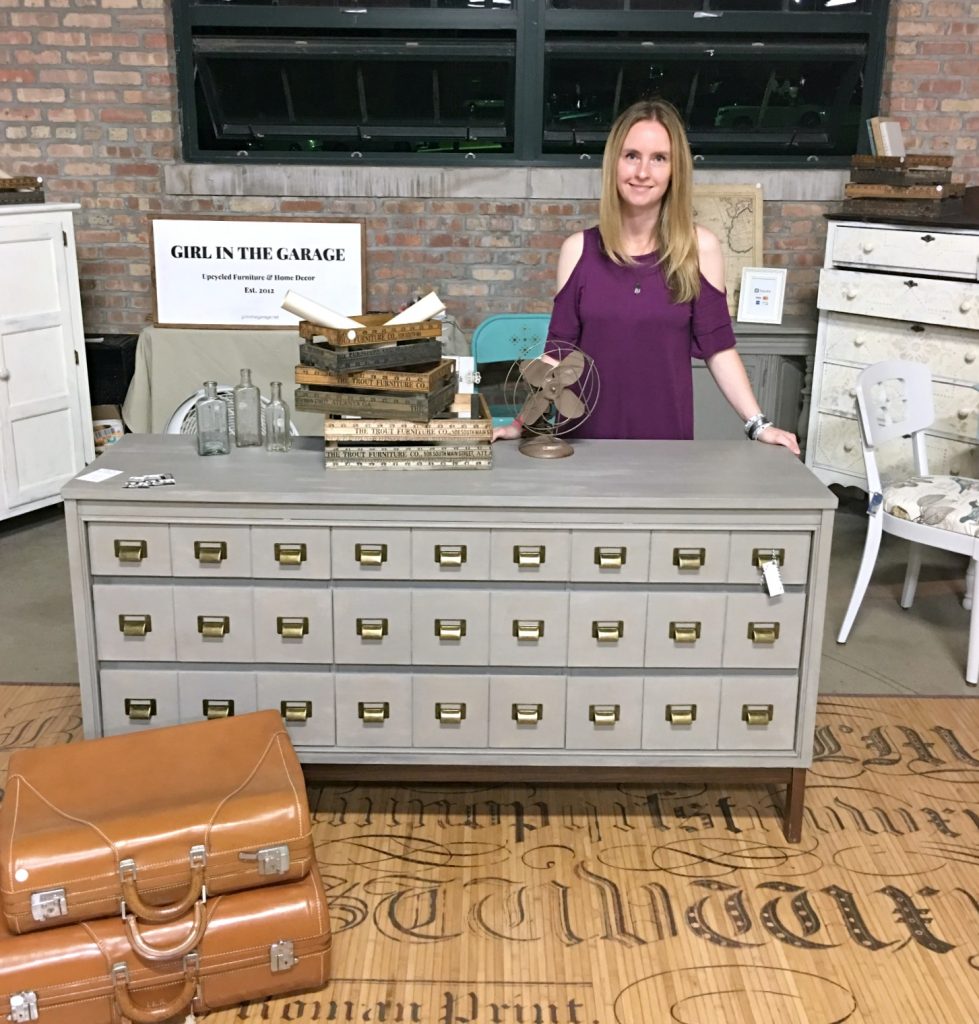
896 291
45 415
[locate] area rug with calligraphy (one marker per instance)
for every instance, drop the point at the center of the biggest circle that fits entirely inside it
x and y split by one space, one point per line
633 904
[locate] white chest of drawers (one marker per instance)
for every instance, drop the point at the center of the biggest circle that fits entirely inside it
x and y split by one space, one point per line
894 291
603 612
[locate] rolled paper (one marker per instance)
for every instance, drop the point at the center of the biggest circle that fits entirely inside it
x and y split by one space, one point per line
314 312
424 309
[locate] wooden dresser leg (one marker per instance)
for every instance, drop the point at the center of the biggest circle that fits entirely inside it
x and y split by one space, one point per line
795 796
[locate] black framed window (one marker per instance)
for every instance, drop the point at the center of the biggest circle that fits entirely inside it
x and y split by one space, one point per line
523 81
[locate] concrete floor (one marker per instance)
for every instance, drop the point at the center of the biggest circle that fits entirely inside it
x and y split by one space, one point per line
890 651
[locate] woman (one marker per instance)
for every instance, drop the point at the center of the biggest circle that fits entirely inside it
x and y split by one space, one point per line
643 292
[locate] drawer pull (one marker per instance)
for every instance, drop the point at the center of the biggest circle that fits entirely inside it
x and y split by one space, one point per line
218 708
130 550
296 710
685 632
917 328
140 709
963 414
372 629
135 625
969 357
213 626
527 714
763 632
603 714
528 629
689 558
761 556
290 554
210 552
294 628
450 554
850 292
371 554
450 713
757 714
681 714
526 555
910 283
610 558
867 247
450 629
965 306
373 712
608 632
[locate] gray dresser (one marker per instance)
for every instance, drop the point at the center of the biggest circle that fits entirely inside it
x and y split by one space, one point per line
603 613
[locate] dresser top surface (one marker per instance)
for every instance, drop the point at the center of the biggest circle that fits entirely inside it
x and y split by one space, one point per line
600 475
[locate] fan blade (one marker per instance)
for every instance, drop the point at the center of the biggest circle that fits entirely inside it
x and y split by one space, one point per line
569 405
535 407
569 369
535 371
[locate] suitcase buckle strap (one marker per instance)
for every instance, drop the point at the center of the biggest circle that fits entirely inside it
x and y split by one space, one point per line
23 1007
155 1014
196 891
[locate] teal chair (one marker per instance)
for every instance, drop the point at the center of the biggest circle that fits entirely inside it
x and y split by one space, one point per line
496 344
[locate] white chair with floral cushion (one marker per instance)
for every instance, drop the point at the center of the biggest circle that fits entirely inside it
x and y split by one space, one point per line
894 400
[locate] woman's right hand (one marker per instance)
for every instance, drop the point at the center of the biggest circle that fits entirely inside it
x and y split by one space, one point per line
510 432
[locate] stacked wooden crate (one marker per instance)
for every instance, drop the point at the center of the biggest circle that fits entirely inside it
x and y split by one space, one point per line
922 177
389 399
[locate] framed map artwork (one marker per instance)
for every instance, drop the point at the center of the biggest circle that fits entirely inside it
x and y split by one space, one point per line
734 214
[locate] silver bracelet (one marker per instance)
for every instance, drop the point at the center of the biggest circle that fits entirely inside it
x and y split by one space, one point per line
759 427
750 425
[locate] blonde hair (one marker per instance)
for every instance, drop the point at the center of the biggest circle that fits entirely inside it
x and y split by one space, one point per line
675 233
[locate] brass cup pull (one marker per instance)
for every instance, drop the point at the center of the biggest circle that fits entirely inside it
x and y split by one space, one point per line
450 713
761 556
529 555
603 714
294 628
685 632
763 632
372 629
290 554
450 554
140 709
210 552
130 550
527 714
450 629
218 708
296 710
373 712
608 632
757 714
528 629
135 625
213 626
681 714
371 554
610 558
689 558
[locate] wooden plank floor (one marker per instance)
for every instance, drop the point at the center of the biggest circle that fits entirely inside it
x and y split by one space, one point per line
523 904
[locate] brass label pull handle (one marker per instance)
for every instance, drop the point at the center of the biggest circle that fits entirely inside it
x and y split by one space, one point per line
757 714
290 554
213 627
371 554
210 552
529 555
372 629
608 632
528 629
450 713
689 558
296 710
450 629
685 632
610 557
130 550
603 714
527 714
450 554
765 633
759 556
218 708
135 625
140 709
373 712
292 627
681 714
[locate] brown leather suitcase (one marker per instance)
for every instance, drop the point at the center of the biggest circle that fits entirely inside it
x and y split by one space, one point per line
261 942
151 824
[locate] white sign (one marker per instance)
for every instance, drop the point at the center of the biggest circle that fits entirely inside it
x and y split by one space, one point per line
212 272
762 294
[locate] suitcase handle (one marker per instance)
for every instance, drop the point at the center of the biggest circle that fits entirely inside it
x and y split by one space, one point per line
170 912
153 1014
148 952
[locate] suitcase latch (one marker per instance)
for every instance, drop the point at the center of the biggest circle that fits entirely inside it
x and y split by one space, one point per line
23 1006
272 860
281 957
46 904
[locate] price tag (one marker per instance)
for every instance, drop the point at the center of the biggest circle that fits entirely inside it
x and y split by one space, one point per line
772 578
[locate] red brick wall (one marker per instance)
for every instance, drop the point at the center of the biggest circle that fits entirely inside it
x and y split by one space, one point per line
88 100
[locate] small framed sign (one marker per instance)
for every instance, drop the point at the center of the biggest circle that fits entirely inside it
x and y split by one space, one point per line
234 272
762 295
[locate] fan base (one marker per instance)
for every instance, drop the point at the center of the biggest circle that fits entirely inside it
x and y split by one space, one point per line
545 446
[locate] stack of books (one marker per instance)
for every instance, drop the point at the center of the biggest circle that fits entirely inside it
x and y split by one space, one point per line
913 176
24 189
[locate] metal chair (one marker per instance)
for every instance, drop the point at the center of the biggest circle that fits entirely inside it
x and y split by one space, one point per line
894 400
502 339
184 417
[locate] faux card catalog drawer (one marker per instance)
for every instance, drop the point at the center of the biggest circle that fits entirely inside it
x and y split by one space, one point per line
133 700
762 631
207 694
758 713
527 711
530 555
291 552
134 622
680 712
293 624
610 556
129 549
371 553
305 702
528 627
211 549
684 629
449 627
603 713
696 556
372 626
373 709
750 551
606 628
450 710
450 554
214 623
943 253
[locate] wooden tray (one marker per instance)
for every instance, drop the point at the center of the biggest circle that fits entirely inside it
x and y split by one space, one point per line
377 405
409 456
423 379
467 419
374 332
951 191
898 162
903 176
376 357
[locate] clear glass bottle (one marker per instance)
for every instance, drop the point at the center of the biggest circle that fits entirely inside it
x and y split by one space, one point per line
213 434
247 401
278 436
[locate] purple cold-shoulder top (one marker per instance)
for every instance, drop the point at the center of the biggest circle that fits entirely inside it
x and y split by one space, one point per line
642 343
